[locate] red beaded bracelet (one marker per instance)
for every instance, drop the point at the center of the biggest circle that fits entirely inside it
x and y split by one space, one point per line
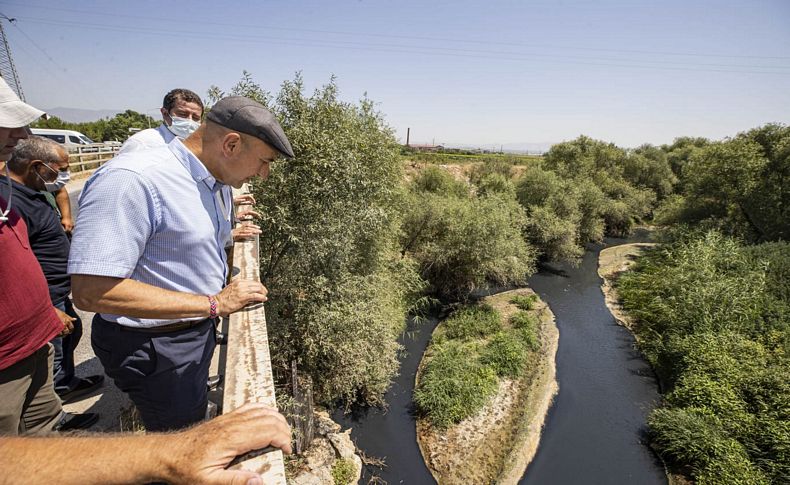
212 302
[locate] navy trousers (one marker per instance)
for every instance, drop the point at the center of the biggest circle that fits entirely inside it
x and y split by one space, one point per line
164 374
63 367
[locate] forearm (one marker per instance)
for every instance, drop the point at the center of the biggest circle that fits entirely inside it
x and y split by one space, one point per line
132 298
63 203
93 459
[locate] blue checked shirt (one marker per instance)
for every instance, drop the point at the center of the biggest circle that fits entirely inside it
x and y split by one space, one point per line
156 216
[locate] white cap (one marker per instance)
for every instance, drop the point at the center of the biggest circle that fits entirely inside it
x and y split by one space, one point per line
14 113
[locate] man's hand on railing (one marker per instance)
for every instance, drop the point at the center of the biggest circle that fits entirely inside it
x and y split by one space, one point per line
238 294
244 199
245 232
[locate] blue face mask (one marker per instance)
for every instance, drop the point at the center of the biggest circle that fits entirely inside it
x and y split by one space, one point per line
182 127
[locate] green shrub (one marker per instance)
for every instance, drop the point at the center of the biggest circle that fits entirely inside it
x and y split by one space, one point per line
526 325
713 321
480 171
439 181
472 322
529 335
506 353
692 438
462 244
453 386
496 185
524 302
343 472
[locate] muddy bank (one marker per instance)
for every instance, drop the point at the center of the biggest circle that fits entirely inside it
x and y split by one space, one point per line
498 443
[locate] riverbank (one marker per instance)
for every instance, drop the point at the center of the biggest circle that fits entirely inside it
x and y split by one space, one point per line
613 262
498 442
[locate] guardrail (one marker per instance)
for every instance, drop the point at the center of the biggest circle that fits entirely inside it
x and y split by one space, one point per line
244 361
90 157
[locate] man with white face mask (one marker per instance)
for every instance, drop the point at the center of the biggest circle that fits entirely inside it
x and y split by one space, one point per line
39 164
181 110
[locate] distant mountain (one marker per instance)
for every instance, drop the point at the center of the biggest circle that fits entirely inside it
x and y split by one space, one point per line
77 115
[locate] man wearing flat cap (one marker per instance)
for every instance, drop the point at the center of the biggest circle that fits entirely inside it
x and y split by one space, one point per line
148 257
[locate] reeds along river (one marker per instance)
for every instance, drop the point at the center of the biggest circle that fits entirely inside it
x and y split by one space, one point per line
594 433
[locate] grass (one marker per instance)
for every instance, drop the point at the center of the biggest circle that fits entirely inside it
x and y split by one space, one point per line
454 386
472 322
524 302
469 352
526 325
343 472
506 353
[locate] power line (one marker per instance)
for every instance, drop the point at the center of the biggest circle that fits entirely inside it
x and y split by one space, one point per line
441 51
60 69
420 38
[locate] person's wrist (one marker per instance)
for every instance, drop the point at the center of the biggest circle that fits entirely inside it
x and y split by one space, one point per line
213 305
171 464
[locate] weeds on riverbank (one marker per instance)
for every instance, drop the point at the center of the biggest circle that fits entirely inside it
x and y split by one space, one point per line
468 353
714 321
524 302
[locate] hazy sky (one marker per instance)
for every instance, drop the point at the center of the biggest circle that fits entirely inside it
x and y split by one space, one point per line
457 72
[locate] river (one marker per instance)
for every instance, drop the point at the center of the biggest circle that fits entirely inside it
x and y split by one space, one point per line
594 432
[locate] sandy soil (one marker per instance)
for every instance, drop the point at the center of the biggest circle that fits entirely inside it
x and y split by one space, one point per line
498 443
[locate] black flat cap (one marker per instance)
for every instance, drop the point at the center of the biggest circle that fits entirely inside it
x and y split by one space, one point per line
244 115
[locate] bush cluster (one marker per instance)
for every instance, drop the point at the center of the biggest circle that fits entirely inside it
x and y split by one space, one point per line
452 386
524 302
462 241
739 185
714 321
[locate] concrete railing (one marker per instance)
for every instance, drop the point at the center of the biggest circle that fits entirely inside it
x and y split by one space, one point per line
245 361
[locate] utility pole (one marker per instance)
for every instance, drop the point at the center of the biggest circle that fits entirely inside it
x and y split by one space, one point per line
408 132
7 68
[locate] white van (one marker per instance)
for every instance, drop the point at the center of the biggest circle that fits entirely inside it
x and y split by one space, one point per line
67 138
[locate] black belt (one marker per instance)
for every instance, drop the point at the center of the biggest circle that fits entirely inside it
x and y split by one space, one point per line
170 327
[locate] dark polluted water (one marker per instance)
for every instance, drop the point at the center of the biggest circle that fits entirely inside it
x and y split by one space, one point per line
594 432
391 434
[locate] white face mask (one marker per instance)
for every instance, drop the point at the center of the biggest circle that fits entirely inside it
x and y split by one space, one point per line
182 127
58 183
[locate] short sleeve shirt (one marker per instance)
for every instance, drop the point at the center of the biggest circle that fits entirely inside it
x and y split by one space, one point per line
155 216
147 139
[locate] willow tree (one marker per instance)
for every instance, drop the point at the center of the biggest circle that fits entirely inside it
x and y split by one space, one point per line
338 288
